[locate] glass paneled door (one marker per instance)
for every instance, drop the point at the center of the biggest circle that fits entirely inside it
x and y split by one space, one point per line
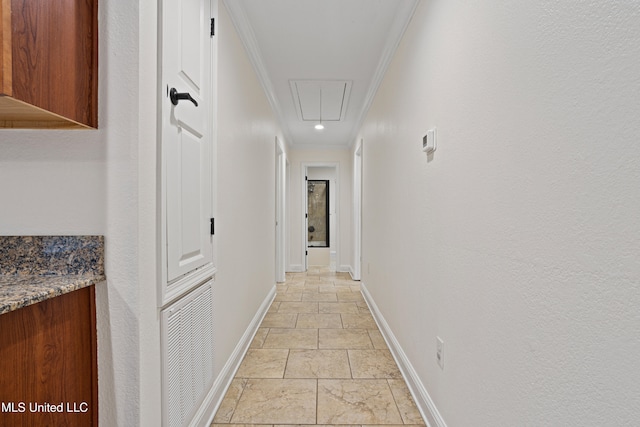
318 210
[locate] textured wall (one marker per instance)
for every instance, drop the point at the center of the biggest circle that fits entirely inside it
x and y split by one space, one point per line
52 182
120 303
517 242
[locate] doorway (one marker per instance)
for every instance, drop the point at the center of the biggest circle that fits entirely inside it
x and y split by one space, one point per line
318 235
321 226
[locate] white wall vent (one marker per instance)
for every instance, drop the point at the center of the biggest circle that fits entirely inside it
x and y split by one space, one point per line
187 353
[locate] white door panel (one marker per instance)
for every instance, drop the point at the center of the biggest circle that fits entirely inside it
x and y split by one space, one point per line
186 212
187 135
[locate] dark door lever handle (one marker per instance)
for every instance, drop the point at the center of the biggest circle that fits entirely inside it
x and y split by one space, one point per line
176 96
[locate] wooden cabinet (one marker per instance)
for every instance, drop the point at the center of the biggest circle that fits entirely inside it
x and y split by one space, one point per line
49 58
48 363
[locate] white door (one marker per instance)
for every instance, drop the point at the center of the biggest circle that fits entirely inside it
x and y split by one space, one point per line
187 134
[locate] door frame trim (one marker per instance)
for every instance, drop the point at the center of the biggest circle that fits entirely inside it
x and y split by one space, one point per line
281 205
357 210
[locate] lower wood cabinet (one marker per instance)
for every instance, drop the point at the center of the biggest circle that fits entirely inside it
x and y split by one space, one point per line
48 363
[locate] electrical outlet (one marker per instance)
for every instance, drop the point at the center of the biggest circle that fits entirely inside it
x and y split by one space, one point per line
440 352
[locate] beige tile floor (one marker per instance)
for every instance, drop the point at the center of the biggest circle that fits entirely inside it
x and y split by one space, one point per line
318 358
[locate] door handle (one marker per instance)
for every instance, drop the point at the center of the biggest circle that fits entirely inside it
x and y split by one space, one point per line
176 96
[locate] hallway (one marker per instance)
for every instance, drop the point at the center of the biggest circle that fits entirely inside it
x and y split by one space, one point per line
318 358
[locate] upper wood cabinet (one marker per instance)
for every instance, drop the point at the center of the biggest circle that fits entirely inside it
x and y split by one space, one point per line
49 58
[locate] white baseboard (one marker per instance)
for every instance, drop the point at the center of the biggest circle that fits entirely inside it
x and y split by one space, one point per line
204 416
352 273
299 268
295 268
344 269
425 404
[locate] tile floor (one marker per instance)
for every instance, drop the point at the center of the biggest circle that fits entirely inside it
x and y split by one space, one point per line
318 358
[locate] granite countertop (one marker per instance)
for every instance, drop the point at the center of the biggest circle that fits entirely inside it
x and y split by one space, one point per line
37 268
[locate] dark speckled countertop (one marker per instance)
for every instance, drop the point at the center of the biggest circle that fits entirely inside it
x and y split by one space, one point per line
36 268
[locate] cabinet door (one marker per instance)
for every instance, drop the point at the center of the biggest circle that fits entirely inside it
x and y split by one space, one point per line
49 64
48 356
187 134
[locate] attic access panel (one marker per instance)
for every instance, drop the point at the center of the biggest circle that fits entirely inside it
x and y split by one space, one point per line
307 99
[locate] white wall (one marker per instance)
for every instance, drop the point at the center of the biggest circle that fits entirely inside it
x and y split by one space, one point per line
295 223
148 219
245 222
517 242
52 182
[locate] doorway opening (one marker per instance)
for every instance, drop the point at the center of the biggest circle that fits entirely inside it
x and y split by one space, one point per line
318 208
321 228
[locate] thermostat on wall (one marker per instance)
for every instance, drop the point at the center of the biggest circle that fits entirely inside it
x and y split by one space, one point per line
429 141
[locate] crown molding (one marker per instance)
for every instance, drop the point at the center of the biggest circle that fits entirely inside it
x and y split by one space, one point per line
398 28
248 38
245 32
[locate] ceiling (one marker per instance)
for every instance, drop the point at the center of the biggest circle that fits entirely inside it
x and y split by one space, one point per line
320 60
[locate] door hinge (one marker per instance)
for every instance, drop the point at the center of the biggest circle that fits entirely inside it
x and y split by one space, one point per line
306 252
213 27
213 226
306 215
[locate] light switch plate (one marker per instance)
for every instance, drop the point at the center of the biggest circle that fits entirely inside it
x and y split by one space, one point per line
429 141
